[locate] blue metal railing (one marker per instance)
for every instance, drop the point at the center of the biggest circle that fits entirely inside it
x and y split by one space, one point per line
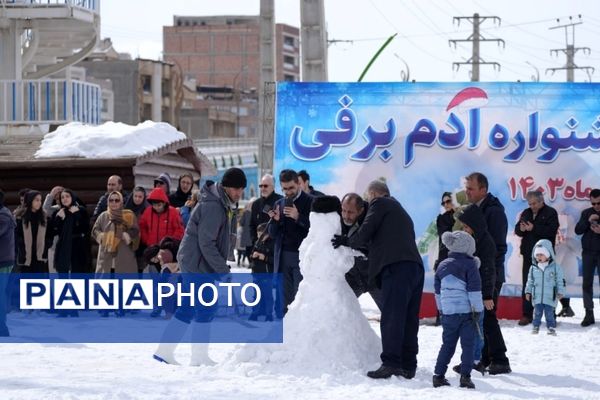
49 101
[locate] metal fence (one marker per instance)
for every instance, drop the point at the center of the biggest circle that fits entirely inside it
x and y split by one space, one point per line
49 101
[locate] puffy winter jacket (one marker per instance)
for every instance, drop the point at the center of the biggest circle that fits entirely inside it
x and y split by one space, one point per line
545 285
155 226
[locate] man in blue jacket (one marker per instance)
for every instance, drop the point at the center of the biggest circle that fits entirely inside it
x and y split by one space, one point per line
7 258
289 227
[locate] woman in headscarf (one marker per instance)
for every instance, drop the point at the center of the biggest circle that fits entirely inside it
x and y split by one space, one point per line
117 233
71 224
137 203
184 191
33 235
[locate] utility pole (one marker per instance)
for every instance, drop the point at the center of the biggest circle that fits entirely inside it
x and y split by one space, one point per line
313 40
570 51
476 39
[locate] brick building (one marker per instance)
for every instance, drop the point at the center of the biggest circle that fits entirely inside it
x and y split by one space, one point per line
222 54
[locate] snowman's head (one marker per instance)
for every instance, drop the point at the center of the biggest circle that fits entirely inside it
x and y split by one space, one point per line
325 216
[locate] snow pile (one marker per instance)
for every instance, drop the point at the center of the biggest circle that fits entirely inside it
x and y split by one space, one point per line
109 140
324 331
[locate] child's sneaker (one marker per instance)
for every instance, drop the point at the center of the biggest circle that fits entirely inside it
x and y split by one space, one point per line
535 330
552 331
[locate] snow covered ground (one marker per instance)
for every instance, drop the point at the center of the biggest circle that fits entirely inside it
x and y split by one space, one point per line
563 367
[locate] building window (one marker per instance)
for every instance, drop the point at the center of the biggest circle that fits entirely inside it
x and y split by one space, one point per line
289 60
147 84
289 41
289 78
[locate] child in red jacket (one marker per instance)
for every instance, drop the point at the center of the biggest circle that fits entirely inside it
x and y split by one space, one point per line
159 220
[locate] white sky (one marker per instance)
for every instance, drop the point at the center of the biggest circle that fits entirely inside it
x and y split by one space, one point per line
423 27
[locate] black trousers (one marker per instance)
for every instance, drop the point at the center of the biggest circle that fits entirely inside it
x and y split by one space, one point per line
591 266
527 306
494 348
402 287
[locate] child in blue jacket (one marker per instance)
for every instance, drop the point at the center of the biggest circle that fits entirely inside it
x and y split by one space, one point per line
458 298
545 285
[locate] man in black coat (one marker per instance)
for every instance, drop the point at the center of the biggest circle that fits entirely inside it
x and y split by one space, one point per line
289 228
538 221
473 222
396 267
494 348
589 227
264 204
353 214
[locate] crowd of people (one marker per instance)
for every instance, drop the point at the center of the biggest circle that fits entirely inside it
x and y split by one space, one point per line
194 232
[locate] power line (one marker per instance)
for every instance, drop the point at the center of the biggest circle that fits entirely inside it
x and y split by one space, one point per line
570 51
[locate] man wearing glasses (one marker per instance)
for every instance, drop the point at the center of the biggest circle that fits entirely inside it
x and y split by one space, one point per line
589 227
538 221
289 228
262 206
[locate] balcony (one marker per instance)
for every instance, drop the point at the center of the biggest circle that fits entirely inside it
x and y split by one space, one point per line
49 101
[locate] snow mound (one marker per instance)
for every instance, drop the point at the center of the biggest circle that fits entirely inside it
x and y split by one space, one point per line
109 140
324 331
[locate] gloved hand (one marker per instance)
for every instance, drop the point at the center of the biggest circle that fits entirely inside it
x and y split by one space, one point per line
339 240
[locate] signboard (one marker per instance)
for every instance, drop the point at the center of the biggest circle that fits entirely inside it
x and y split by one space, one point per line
423 138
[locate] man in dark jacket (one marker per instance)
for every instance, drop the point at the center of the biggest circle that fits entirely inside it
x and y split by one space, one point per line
264 204
589 227
203 250
354 210
473 222
7 258
538 221
289 228
114 183
396 267
494 348
304 181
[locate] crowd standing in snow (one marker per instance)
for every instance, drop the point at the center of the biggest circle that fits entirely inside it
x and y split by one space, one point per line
140 231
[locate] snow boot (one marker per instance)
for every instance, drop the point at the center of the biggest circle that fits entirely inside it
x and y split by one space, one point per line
497 369
466 382
168 343
478 366
535 330
552 331
200 339
566 312
439 381
384 372
589 318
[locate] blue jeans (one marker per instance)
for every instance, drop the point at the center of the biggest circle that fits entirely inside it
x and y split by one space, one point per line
540 309
478 344
456 326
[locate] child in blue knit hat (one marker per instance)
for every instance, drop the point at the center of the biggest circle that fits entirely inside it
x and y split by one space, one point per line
458 298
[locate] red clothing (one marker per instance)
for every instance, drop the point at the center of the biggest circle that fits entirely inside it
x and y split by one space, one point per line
154 227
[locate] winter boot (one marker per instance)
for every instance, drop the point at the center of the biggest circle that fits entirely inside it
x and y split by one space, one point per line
466 382
497 369
440 380
384 372
535 330
589 317
552 331
170 339
200 339
566 312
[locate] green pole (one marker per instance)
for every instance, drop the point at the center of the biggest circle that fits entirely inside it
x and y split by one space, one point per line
375 56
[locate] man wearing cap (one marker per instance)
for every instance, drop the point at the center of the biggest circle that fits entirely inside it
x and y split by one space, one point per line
204 250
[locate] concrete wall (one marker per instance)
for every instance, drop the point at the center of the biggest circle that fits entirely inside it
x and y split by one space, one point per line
124 76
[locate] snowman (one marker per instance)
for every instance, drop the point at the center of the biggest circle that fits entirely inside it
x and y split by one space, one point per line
324 330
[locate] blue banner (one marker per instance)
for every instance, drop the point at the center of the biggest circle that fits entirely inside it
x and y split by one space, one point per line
132 308
423 138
